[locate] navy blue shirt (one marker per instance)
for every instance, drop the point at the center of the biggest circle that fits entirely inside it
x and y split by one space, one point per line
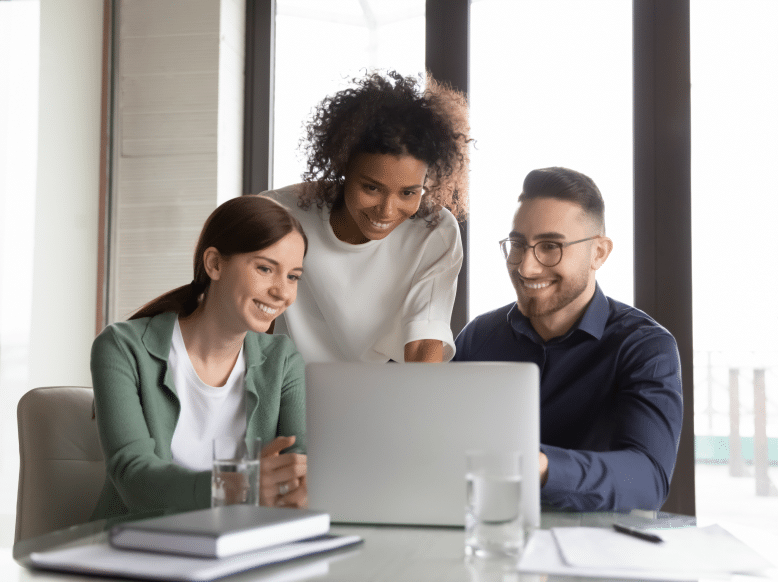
611 403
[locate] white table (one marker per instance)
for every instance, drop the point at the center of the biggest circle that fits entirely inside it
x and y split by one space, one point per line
389 553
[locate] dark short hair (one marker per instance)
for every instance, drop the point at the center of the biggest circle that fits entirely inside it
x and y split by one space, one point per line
245 224
565 184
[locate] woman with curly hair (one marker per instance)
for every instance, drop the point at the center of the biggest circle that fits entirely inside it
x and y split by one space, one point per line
386 181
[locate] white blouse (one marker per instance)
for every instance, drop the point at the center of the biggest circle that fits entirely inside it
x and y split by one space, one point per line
364 302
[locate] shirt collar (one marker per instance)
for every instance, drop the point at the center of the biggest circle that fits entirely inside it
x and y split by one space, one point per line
593 321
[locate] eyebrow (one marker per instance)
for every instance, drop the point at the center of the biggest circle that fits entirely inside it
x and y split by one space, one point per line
274 262
541 236
374 181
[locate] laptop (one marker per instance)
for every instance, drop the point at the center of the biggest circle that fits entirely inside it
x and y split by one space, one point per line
387 442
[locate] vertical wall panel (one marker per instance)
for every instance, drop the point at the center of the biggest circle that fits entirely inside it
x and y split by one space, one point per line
177 138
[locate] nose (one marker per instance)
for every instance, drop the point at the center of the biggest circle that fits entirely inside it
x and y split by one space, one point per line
530 266
387 206
283 289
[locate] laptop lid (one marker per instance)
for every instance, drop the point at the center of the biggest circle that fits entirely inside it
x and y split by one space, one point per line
387 442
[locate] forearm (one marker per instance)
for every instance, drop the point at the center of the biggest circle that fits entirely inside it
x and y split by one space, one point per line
603 481
429 351
146 483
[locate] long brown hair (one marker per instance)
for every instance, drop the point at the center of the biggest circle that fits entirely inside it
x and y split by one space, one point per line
241 225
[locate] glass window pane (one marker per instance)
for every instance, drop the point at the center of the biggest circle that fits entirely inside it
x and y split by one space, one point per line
341 39
734 250
19 71
551 85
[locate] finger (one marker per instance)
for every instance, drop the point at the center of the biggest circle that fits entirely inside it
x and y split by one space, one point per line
283 474
277 445
270 464
296 498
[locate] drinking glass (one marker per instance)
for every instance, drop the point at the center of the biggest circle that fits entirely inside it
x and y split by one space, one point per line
493 517
235 476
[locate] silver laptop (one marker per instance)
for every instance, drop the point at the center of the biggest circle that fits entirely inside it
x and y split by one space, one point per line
387 442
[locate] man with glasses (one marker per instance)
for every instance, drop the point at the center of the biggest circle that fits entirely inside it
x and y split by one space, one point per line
610 390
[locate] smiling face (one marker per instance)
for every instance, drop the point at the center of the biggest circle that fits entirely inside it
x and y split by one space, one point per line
381 192
554 298
251 289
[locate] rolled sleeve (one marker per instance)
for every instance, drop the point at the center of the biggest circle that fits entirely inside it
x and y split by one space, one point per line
430 301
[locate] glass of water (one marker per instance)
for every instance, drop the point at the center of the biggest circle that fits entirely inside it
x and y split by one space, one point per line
493 518
235 475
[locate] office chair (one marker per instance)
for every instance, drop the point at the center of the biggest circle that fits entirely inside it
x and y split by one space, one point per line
61 467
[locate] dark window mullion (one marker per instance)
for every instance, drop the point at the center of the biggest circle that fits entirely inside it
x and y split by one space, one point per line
258 96
662 170
447 58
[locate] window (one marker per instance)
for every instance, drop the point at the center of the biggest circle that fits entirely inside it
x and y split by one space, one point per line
551 85
342 39
734 245
19 50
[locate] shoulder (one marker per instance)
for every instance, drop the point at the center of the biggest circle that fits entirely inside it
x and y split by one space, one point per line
631 321
447 228
290 195
475 336
137 335
123 332
443 238
638 335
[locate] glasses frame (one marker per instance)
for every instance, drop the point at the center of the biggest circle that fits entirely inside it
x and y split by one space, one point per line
562 246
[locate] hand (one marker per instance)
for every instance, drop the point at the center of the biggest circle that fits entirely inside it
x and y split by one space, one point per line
543 463
287 470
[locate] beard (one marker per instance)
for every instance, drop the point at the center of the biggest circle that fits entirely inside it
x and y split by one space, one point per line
568 291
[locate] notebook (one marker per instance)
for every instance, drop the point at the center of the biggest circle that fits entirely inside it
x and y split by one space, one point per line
387 442
218 532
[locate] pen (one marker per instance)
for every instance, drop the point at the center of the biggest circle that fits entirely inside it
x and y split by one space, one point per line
638 533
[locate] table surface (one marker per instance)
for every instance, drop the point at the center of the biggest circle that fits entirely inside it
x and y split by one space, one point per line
389 553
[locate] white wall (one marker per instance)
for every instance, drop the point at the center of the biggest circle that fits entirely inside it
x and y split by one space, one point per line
66 212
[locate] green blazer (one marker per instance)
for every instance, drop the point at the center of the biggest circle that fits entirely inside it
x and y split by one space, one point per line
137 412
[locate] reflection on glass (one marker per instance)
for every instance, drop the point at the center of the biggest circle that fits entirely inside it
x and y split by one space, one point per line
320 46
551 85
735 245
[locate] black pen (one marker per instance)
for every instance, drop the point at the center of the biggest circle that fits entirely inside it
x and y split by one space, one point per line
638 533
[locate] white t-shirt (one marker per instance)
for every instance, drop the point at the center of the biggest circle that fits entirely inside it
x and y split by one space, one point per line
363 303
207 412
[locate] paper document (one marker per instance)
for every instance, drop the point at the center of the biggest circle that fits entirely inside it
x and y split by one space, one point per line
709 549
686 554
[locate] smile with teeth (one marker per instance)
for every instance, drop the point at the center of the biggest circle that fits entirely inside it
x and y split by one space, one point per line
536 285
266 308
381 225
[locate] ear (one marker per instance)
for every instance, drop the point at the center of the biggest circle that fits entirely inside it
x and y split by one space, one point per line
213 262
601 250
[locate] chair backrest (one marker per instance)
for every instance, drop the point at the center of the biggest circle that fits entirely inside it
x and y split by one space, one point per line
61 466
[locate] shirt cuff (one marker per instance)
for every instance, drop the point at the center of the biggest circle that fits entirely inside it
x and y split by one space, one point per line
557 488
433 330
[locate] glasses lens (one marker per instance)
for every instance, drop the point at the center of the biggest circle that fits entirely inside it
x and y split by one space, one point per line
548 253
513 251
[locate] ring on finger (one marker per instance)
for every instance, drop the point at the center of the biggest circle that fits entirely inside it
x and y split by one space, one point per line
283 488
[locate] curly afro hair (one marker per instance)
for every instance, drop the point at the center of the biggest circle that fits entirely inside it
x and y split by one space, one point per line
391 114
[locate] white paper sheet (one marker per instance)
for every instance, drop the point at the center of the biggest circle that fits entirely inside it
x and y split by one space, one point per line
707 550
542 555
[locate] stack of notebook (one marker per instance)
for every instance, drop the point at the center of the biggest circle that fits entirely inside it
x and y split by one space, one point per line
201 545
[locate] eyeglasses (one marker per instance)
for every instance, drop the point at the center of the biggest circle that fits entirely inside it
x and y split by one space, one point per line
547 252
